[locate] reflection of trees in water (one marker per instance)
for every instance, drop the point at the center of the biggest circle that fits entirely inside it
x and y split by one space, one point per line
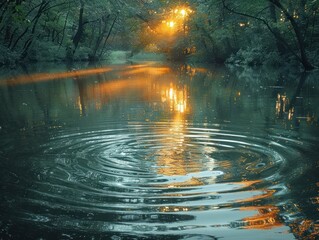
143 93
295 106
211 95
33 105
42 96
291 90
295 98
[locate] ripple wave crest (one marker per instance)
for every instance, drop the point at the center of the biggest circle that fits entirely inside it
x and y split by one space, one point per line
154 178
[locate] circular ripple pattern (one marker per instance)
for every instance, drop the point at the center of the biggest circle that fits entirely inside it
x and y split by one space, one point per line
149 178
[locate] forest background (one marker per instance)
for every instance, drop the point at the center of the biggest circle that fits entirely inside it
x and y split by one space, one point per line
265 32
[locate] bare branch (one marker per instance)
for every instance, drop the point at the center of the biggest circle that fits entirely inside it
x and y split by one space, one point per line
274 33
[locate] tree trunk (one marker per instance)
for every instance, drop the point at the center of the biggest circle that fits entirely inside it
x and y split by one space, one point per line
4 8
279 44
64 27
108 35
301 45
18 39
29 42
100 36
79 33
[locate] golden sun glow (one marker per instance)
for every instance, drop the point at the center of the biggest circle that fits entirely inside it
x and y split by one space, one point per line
171 24
176 19
183 12
177 99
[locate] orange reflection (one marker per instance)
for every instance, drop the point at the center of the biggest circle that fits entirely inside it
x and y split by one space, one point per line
120 85
286 110
266 194
40 77
176 97
306 229
188 183
157 84
150 81
266 218
174 209
136 78
145 70
247 184
282 104
171 157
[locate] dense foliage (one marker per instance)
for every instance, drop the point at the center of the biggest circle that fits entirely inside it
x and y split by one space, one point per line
238 32
57 29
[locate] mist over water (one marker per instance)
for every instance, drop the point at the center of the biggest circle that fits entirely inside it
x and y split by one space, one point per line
151 151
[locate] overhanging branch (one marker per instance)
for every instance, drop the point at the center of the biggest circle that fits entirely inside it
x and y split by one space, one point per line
273 32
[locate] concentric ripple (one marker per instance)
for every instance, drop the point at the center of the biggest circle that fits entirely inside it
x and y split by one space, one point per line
154 178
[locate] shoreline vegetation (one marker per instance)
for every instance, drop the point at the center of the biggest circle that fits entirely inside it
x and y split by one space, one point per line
248 58
246 33
241 59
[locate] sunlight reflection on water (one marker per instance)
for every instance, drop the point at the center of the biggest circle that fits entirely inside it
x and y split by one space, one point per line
151 151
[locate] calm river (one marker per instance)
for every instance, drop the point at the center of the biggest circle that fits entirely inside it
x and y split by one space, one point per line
152 151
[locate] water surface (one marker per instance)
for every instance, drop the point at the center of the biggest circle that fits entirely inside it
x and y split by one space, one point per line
151 151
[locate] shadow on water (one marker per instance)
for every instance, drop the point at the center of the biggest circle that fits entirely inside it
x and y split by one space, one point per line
150 151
